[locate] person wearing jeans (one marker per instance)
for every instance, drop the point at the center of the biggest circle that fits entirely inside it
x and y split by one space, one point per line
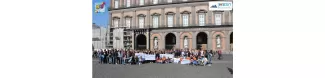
123 60
119 57
130 60
114 57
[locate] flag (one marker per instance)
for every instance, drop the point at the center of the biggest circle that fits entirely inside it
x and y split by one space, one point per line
100 7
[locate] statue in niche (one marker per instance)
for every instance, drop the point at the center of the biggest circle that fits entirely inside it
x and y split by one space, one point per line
218 42
155 43
185 42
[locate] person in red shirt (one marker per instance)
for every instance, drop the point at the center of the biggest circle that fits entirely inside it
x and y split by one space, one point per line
219 54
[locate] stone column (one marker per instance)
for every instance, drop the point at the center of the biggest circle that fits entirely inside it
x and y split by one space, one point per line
193 16
162 14
177 40
177 17
194 40
210 17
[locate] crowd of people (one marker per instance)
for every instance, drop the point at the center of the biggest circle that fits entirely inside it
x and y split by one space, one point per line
115 56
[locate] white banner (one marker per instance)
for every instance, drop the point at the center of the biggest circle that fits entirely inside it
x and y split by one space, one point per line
176 60
167 55
139 55
149 57
185 61
220 5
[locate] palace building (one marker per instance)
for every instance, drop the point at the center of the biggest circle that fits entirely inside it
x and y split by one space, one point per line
169 24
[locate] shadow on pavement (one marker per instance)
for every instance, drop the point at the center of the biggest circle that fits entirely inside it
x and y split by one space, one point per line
230 70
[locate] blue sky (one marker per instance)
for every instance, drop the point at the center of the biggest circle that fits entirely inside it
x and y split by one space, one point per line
100 19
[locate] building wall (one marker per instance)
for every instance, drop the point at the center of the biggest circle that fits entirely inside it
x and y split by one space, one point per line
178 21
99 33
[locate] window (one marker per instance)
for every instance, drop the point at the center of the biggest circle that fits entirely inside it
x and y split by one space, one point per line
155 21
170 20
201 19
217 19
116 22
155 1
141 2
116 4
185 20
169 1
128 22
141 22
128 3
185 42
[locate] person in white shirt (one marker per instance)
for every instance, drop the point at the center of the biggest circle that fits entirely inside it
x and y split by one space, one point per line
205 61
182 54
202 54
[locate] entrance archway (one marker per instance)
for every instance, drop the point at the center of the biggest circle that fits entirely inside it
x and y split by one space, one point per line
201 40
170 41
141 42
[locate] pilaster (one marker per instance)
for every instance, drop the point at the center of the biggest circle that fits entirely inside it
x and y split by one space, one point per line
193 16
194 40
177 40
177 17
210 17
162 15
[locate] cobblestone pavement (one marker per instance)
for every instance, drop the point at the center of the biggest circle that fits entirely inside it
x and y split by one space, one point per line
219 69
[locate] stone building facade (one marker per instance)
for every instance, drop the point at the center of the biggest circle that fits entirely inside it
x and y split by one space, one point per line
171 24
98 37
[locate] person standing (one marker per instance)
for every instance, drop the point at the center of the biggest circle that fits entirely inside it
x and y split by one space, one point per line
123 57
219 54
119 57
182 53
105 57
101 56
209 56
110 57
114 57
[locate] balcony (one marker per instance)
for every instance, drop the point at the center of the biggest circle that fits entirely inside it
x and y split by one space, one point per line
160 2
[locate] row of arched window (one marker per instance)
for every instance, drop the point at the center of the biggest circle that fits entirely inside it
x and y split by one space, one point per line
170 19
186 42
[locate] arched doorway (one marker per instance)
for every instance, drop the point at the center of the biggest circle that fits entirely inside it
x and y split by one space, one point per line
170 41
231 42
201 40
141 42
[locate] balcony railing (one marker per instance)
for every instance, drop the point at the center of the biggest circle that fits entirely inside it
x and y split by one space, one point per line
160 2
